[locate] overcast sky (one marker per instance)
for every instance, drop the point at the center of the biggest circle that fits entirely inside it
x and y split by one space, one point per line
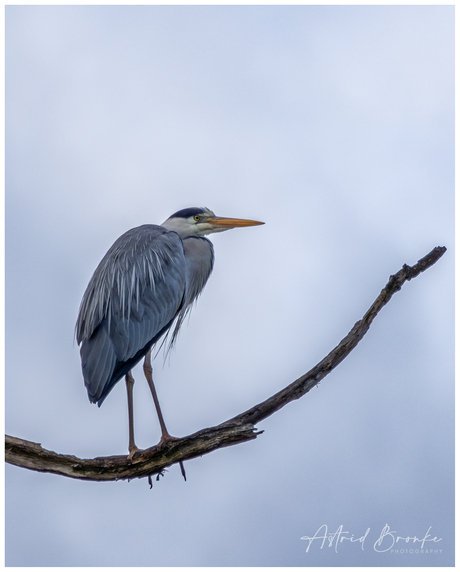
333 125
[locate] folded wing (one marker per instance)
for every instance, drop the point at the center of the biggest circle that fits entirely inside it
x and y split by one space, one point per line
132 299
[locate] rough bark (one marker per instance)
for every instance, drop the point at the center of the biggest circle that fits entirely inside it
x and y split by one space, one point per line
155 460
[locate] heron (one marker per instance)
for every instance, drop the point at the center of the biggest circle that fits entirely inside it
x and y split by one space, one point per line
142 290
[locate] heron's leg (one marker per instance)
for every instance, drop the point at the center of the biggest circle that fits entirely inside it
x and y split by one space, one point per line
129 388
148 375
164 432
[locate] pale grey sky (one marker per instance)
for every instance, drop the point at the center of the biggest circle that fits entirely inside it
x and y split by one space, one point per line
335 126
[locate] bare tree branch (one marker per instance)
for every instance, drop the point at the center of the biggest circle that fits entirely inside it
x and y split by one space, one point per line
241 428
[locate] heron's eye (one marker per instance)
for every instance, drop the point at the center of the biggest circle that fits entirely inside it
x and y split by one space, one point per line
197 217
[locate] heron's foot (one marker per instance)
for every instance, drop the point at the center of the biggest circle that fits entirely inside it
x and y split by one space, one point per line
132 451
164 439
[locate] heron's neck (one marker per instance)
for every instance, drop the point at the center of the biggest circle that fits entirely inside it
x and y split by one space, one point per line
180 226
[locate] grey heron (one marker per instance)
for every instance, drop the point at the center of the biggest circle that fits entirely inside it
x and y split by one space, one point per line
142 290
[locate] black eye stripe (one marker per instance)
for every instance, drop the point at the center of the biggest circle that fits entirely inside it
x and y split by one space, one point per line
187 213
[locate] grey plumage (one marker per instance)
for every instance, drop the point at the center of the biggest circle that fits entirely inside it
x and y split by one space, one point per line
147 279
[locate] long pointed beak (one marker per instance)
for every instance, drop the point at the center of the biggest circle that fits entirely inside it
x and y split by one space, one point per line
228 223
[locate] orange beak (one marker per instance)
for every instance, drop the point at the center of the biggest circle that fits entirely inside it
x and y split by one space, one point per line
228 223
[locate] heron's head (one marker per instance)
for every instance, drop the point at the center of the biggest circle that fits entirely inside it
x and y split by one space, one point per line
201 221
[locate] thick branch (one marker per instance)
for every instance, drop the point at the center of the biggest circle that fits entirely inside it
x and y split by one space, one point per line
236 430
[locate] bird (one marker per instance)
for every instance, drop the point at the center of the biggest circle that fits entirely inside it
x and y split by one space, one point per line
140 292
